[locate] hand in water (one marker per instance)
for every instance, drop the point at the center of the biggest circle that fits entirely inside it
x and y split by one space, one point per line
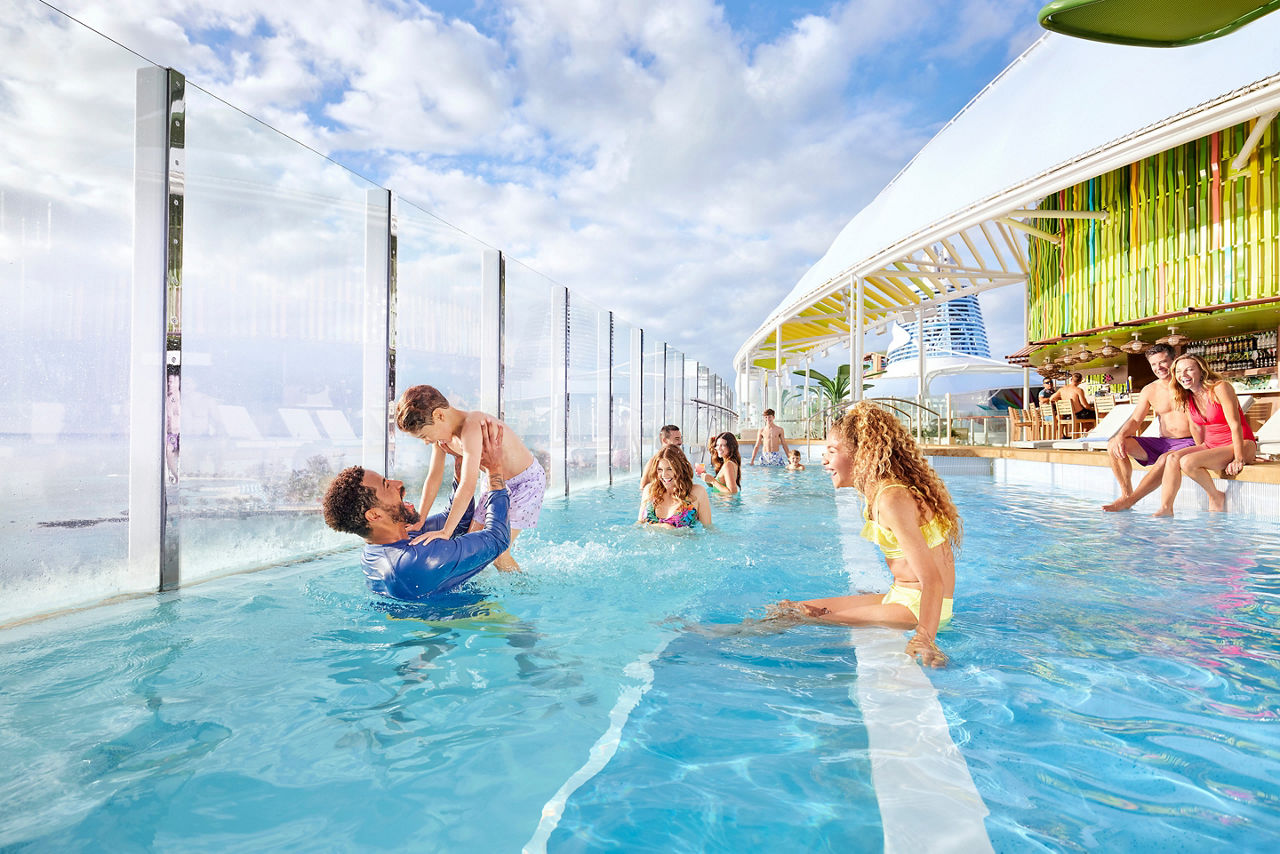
927 651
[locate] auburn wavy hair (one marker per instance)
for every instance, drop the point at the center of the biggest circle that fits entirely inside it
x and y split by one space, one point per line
683 489
883 452
416 408
1182 396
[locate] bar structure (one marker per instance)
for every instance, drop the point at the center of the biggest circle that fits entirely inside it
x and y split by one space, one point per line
203 321
1120 213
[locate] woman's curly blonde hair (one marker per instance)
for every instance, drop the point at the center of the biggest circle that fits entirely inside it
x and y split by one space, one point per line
883 452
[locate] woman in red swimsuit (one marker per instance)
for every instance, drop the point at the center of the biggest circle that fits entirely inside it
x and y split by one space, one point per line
1224 440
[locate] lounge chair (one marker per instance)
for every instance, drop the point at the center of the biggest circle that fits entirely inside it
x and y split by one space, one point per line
1097 438
1269 434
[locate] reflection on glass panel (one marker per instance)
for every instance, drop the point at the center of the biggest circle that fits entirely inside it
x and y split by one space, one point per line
674 399
272 338
655 393
528 361
66 220
624 459
438 326
588 439
689 421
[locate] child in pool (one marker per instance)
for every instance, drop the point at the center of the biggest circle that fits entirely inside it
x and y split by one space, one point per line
795 464
423 412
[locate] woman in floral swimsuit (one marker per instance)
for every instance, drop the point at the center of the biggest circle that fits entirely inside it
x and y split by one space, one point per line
671 497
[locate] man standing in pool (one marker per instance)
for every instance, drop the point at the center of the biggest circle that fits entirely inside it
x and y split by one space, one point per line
1175 433
774 442
366 504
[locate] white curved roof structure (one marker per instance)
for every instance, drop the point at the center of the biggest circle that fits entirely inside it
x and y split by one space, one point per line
1063 112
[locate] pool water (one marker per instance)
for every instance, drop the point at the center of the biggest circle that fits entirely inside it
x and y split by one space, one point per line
1114 684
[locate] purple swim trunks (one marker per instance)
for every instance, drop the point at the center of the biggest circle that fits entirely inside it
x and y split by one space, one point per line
1157 445
525 490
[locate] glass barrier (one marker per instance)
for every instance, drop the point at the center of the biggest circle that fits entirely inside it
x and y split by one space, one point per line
624 458
529 364
439 295
272 339
588 435
66 223
655 386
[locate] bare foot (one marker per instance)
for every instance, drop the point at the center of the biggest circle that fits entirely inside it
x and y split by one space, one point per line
1163 511
506 563
1119 505
786 609
1217 501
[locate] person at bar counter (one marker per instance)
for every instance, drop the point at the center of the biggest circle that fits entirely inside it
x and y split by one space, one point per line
1224 440
1074 394
364 503
1150 451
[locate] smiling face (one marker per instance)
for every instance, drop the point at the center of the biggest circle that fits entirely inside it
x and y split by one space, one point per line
1188 374
1161 365
673 438
837 460
666 474
390 497
722 448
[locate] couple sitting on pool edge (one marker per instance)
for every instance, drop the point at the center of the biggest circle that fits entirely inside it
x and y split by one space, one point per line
1202 429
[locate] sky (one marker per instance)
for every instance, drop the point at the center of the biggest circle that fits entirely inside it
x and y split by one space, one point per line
680 162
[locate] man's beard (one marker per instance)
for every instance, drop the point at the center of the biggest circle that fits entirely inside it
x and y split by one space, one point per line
401 513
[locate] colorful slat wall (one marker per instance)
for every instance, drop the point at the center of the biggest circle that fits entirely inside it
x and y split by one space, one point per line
1180 231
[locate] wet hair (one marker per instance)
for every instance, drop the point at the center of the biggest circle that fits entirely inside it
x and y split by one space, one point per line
1182 396
683 488
1158 349
734 454
883 452
347 500
416 407
770 412
665 433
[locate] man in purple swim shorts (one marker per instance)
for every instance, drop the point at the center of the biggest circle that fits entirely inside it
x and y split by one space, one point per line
1175 432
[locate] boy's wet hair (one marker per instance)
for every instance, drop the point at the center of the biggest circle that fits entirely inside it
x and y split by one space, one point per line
770 412
415 408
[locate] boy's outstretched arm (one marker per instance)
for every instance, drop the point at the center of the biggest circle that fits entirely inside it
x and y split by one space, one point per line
435 477
472 441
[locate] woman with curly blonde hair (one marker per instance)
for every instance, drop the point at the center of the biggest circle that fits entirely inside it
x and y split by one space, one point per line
671 497
909 515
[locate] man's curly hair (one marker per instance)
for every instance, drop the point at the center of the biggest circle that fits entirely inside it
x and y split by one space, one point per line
347 500
416 408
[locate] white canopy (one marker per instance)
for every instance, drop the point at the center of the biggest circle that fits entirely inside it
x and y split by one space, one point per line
1065 111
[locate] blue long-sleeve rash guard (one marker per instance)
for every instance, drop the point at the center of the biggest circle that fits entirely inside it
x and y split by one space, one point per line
416 573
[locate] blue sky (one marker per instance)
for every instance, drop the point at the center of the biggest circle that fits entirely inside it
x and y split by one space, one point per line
669 159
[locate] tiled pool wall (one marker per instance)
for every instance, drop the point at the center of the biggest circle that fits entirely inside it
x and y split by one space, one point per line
1260 501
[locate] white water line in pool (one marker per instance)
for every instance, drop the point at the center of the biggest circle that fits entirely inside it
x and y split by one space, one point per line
927 798
602 751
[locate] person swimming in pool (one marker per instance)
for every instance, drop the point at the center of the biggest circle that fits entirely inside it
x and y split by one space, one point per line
909 514
364 503
671 497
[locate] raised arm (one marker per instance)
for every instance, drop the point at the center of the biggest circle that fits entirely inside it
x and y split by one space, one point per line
472 440
435 477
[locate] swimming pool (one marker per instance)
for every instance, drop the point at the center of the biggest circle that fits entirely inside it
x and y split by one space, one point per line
1114 684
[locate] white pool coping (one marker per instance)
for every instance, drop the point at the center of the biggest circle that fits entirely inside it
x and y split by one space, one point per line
927 798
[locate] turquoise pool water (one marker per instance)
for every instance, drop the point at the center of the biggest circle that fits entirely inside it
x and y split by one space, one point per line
1114 684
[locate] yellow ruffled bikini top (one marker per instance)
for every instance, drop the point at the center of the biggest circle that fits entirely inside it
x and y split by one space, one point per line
934 531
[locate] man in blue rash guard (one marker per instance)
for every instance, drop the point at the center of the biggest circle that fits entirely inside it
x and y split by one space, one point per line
366 504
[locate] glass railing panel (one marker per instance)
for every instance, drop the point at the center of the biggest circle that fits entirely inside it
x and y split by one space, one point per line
439 320
529 362
273 307
66 244
588 383
655 393
625 459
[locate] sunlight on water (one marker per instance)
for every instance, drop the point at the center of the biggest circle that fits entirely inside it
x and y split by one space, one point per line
1115 684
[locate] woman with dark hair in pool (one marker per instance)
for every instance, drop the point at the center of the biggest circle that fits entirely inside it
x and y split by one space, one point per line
909 515
670 496
1223 437
728 465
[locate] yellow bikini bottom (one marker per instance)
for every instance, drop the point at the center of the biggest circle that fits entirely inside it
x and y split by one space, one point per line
909 598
